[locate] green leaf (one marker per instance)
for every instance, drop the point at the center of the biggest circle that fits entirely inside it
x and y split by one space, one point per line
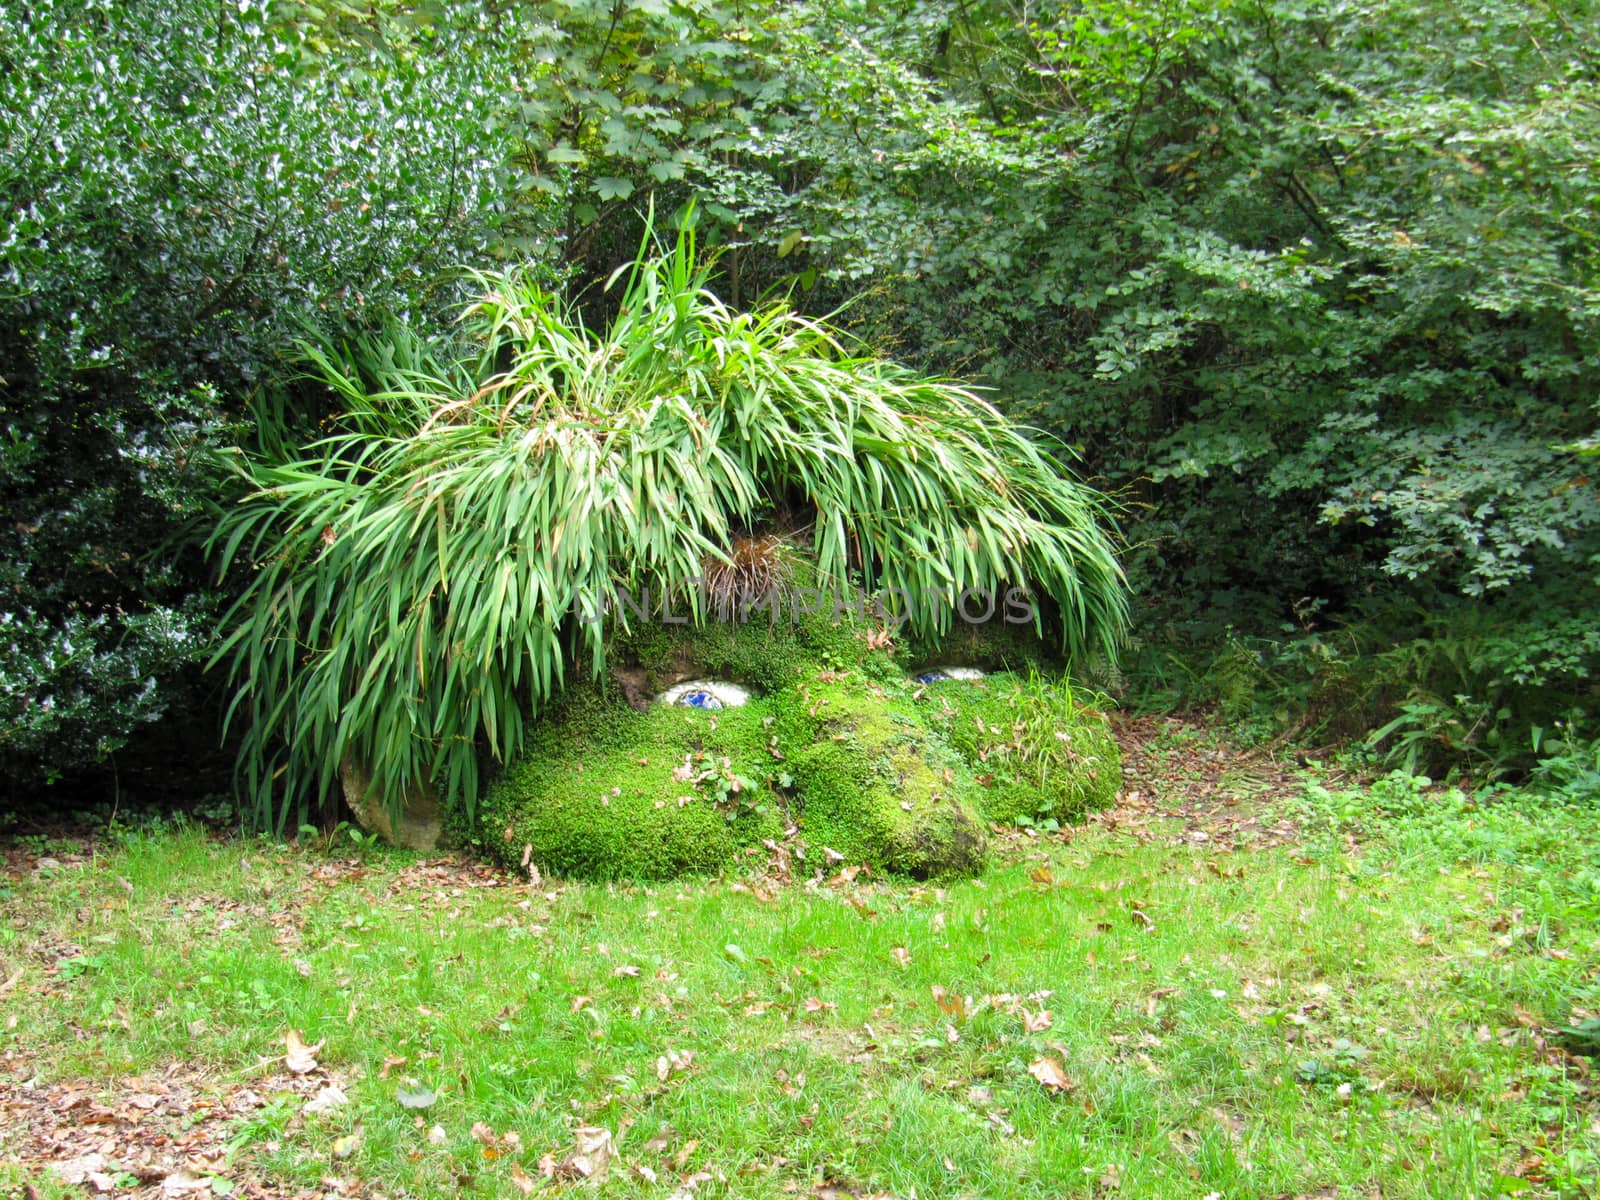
565 155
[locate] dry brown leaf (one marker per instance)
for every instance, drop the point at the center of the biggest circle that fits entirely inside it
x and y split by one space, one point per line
1050 1073
673 1062
1154 999
329 1098
390 1063
521 1180
902 956
951 1004
183 1182
301 1058
1036 1022
81 1169
591 1156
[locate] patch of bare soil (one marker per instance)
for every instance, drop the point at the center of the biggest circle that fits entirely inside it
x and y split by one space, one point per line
150 1137
1184 784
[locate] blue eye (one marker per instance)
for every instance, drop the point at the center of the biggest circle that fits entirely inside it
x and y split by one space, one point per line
700 700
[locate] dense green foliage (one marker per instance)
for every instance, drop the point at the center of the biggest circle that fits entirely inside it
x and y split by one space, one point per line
183 187
488 509
1316 290
1320 285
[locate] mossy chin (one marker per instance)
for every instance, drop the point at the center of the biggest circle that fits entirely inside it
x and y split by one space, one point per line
1037 751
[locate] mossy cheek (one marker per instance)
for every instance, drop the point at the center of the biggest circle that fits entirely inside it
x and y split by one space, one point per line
607 792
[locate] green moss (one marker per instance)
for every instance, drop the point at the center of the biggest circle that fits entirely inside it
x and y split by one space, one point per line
994 645
834 740
875 784
761 653
1037 752
606 792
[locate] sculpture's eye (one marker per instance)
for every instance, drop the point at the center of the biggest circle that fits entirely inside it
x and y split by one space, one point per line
700 700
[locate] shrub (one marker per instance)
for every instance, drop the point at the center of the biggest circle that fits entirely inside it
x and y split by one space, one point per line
183 187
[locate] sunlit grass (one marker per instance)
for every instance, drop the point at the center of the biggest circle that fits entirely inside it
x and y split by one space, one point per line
1336 1018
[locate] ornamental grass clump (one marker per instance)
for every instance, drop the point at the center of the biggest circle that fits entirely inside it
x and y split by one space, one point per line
424 578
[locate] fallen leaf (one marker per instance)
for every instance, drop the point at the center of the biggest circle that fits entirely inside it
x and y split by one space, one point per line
521 1180
1036 1022
1049 1072
416 1097
902 956
591 1156
328 1099
346 1146
301 1058
673 1062
437 1136
389 1064
951 1004
184 1182
79 1169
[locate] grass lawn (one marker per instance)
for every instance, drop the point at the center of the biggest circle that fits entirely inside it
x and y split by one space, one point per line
1234 985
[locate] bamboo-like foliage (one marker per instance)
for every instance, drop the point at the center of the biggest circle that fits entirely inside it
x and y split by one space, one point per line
416 574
